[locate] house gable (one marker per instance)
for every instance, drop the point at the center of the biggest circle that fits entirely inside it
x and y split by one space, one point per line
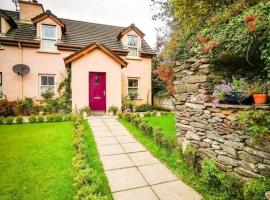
71 58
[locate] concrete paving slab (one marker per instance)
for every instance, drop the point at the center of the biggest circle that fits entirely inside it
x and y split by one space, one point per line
116 161
157 173
144 193
110 149
125 139
124 179
175 190
133 147
106 140
143 158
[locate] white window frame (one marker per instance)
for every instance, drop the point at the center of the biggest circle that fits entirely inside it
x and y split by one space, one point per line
48 38
138 87
1 85
133 47
40 83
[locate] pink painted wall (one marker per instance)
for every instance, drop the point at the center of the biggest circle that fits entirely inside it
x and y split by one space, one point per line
96 61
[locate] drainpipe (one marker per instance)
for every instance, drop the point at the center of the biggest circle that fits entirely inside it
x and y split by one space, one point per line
21 62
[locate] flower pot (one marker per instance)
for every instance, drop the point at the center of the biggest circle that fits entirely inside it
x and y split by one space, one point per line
260 98
234 98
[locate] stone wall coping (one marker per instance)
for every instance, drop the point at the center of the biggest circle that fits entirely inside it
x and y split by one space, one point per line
224 106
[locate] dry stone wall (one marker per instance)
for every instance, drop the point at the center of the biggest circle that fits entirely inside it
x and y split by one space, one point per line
166 102
213 130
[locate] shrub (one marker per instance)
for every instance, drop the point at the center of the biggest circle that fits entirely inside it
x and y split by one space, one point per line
7 108
210 174
232 187
148 129
58 118
143 108
85 109
127 116
9 120
32 119
127 104
40 118
2 120
158 136
26 106
113 109
154 113
191 154
147 114
68 117
19 120
256 189
165 113
50 118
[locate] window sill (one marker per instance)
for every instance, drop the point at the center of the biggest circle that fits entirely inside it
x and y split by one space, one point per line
138 98
48 51
1 47
133 58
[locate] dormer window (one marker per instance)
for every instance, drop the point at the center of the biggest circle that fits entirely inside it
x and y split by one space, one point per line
132 45
49 37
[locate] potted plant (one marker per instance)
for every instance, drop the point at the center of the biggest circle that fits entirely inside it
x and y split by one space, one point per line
259 93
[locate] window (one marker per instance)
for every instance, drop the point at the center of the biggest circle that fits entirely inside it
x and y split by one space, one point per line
49 37
133 88
1 90
47 83
132 45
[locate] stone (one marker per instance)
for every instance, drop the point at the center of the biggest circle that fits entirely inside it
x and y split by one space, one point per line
257 153
219 115
205 65
226 112
191 60
267 195
235 145
229 150
217 119
216 146
193 136
248 157
263 146
156 173
221 152
179 89
214 110
195 79
181 97
195 106
202 91
204 145
135 194
208 152
227 160
264 169
266 161
215 137
198 125
191 88
199 98
207 140
248 166
204 71
246 173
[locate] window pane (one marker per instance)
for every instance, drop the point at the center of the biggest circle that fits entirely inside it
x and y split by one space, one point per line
50 80
49 44
48 31
44 80
132 41
133 83
44 89
132 52
133 92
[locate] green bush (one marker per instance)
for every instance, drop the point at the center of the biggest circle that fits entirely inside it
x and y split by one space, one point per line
256 189
147 114
154 113
232 187
2 120
210 174
9 120
85 109
50 118
127 116
165 113
40 118
7 108
26 106
19 120
68 117
143 108
113 109
58 118
32 119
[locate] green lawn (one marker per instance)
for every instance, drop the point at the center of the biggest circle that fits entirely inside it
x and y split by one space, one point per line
174 160
166 123
95 162
35 161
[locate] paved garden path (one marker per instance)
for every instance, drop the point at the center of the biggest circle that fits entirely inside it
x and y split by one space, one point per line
133 173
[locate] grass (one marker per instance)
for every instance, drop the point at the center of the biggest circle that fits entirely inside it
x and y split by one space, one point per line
175 161
166 123
95 162
35 161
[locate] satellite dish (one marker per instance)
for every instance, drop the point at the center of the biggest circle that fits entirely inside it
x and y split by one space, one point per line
21 69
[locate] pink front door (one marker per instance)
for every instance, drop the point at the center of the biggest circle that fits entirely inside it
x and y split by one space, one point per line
97 91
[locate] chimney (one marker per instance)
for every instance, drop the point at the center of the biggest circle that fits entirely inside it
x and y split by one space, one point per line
30 9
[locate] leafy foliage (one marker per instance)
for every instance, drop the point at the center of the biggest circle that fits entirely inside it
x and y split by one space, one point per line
9 120
256 189
256 122
19 120
113 109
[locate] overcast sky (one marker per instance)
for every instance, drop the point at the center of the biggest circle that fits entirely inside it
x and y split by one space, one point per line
112 12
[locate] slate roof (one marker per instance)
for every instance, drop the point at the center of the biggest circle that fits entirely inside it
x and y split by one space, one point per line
78 34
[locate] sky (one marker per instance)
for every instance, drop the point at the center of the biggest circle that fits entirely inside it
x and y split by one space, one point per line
111 12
